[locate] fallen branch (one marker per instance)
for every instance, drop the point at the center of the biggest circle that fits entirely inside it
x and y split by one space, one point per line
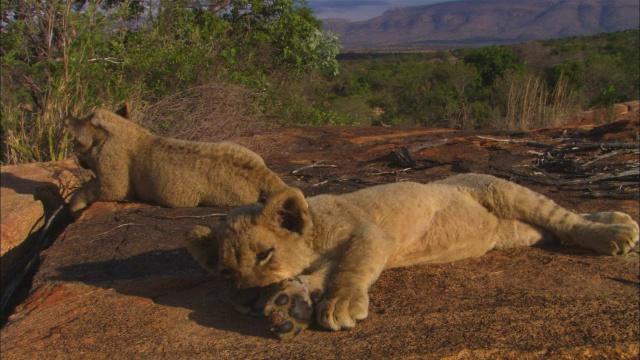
115 228
404 158
390 172
320 183
173 217
602 146
633 173
603 156
430 145
632 195
514 141
314 165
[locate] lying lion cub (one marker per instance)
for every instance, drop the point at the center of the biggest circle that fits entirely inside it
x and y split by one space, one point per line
328 250
130 162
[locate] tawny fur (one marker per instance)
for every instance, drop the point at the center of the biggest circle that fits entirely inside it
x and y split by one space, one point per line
339 244
131 163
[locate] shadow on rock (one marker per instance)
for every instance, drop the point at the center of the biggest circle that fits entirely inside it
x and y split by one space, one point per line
168 278
22 185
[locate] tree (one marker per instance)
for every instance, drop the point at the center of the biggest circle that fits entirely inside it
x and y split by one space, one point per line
285 30
461 76
65 57
493 62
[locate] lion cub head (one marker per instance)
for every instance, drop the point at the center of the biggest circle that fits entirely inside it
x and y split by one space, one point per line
257 245
91 132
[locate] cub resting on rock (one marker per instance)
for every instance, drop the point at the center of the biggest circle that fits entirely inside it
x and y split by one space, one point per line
328 250
130 162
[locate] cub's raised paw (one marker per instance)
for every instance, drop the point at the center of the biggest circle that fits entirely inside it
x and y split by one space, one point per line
290 309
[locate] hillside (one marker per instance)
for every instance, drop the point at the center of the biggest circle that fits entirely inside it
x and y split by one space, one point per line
473 22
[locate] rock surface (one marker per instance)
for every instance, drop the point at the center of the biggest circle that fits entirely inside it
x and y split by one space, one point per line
118 282
24 191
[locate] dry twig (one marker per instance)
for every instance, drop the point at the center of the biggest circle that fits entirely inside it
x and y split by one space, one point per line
316 164
174 217
115 228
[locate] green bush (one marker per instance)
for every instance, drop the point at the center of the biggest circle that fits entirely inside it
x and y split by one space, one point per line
493 62
59 58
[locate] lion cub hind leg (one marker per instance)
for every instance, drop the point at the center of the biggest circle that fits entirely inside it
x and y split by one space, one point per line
614 235
515 233
290 309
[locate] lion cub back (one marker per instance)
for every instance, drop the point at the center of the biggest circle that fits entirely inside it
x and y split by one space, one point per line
130 162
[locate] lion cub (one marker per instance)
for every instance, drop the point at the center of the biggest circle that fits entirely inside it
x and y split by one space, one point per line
130 162
328 250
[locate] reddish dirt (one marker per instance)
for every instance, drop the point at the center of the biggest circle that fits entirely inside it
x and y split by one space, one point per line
118 283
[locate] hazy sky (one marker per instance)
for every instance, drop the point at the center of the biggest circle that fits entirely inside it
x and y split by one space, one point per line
360 9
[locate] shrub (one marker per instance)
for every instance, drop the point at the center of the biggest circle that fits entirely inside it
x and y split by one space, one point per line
62 57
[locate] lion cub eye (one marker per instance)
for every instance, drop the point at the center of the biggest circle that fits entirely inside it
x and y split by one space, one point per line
262 256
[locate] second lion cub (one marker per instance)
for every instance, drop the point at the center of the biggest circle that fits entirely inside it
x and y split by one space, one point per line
130 162
328 250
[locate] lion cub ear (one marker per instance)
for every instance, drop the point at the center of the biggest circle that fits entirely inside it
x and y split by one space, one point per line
78 129
203 246
124 111
289 210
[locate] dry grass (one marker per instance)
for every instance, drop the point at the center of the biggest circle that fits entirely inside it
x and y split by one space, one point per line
531 105
34 136
212 112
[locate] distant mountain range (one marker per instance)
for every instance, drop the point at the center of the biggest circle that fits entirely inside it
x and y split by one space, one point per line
483 22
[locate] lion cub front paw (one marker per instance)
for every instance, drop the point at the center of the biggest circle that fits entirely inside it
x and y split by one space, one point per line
343 310
76 207
290 309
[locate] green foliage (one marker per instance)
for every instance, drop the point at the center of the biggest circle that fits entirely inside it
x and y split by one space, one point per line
58 60
573 71
172 51
603 68
49 51
493 62
523 86
62 58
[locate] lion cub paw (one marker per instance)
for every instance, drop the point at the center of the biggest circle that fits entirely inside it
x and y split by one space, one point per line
615 234
76 207
290 309
343 310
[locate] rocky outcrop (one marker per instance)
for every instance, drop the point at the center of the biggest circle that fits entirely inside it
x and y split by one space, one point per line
118 283
30 194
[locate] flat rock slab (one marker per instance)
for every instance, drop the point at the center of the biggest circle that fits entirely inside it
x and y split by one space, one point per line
29 193
118 283
21 213
123 286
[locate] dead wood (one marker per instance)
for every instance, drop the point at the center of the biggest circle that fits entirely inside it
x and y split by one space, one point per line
316 164
516 141
179 216
403 158
429 145
625 175
601 146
